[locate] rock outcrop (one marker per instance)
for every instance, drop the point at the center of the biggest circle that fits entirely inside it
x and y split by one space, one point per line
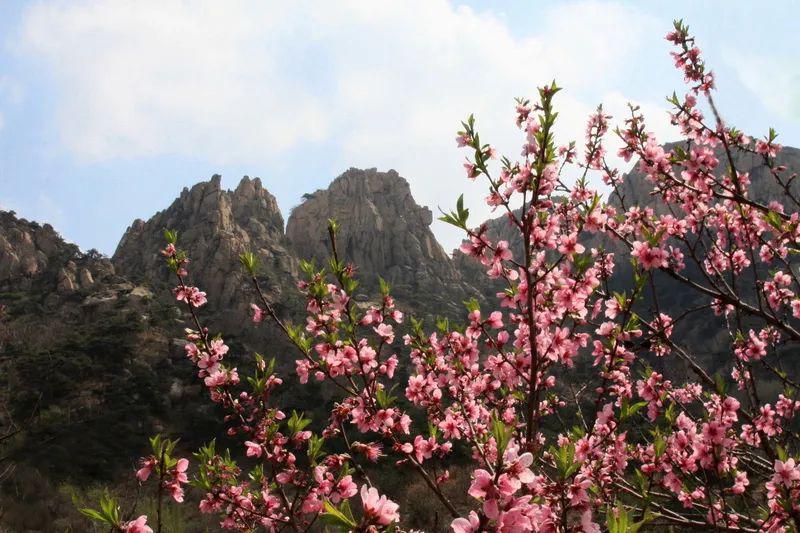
215 226
384 232
48 286
35 259
30 251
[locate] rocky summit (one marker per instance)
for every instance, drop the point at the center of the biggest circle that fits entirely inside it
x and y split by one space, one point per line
52 278
215 226
383 232
29 251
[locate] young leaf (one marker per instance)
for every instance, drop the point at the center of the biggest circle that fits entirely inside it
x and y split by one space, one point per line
336 518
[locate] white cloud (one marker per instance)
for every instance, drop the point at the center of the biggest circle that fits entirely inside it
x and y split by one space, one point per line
362 83
775 80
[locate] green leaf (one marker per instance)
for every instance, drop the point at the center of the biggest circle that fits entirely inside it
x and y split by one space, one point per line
472 305
633 323
772 134
297 422
108 513
336 518
250 261
581 262
333 226
565 460
659 445
385 399
720 384
782 455
315 448
629 410
384 286
501 433
620 520
416 326
669 414
91 513
308 267
457 218
774 220
171 236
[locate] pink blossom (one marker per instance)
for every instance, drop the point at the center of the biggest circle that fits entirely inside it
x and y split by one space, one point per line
147 468
169 251
258 313
568 244
137 526
648 256
191 295
740 484
345 489
253 449
495 320
481 484
377 508
179 478
472 524
424 448
385 331
698 224
471 170
785 472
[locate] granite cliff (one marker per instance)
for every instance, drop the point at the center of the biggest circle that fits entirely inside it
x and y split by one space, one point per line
215 226
383 232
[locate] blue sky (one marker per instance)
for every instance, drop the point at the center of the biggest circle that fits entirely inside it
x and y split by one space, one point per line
108 109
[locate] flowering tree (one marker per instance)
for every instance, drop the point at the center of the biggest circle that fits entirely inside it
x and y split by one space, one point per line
629 447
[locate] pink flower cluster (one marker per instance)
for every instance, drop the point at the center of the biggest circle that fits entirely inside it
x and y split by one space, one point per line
172 479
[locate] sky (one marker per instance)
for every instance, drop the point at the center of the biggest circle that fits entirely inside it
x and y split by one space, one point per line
108 109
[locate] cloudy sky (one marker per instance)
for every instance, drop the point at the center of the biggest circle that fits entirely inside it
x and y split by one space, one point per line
108 109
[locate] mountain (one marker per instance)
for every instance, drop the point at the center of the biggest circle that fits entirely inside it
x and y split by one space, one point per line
31 253
91 346
383 232
215 226
84 354
45 279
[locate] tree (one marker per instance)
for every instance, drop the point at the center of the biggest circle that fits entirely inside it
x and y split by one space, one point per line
552 396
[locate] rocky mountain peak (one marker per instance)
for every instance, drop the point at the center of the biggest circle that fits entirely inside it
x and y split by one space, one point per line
383 230
32 253
41 271
215 226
